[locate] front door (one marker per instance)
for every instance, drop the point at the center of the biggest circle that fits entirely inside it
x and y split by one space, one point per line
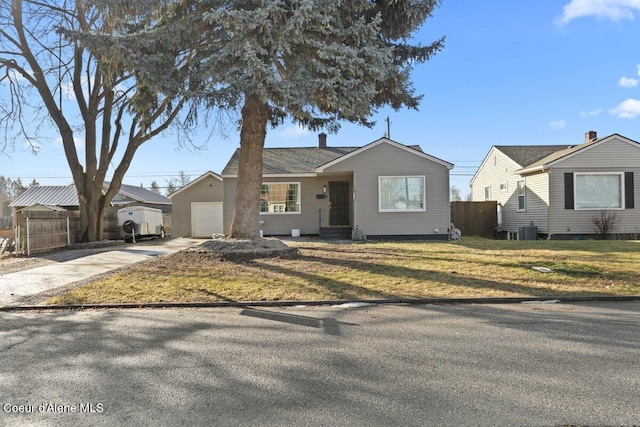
339 203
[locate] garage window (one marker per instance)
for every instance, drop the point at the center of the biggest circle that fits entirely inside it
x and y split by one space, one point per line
280 198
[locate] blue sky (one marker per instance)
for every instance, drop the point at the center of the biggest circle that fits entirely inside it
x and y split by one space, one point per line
511 73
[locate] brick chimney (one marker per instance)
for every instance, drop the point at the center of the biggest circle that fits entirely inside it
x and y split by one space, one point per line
322 140
590 136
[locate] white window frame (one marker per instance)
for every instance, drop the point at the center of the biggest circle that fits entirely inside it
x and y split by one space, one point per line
575 191
298 197
487 189
504 186
523 195
424 193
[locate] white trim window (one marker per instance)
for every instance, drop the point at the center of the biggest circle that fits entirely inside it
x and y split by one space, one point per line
401 194
599 190
487 192
280 198
521 195
504 186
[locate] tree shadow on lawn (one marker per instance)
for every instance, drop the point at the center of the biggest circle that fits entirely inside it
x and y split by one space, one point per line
565 264
595 246
570 268
345 290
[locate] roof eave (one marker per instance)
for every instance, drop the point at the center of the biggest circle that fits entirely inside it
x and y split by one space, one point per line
526 171
377 142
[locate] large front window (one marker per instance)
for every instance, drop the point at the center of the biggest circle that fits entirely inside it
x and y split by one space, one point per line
401 193
599 191
280 197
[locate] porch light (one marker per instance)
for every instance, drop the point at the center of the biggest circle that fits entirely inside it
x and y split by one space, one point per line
324 188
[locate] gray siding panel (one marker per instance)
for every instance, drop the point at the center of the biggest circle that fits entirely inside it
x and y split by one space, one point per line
387 160
613 156
306 221
210 189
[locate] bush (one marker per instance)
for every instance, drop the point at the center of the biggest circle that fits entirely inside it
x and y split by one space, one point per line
605 223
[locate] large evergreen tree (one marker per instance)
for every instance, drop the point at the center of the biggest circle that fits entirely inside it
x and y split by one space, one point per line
315 62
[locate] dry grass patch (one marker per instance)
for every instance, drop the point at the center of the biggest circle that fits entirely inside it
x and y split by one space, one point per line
473 267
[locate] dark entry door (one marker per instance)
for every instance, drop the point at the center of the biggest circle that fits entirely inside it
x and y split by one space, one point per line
339 199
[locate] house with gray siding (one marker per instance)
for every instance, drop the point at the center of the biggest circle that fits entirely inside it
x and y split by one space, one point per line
559 189
383 190
197 207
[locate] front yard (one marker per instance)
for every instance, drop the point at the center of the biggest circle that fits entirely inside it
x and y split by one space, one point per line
318 270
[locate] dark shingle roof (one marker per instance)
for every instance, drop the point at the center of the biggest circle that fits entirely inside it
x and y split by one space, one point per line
525 155
142 194
295 160
291 160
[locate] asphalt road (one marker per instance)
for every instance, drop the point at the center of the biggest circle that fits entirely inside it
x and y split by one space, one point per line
459 365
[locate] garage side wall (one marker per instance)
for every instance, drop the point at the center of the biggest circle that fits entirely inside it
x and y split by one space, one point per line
210 189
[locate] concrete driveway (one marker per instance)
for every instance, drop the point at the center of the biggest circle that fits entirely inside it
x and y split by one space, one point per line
446 365
16 286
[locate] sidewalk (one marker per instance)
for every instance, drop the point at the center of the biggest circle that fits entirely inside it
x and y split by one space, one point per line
14 286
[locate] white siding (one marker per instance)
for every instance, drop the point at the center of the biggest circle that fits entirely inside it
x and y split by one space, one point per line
496 169
537 205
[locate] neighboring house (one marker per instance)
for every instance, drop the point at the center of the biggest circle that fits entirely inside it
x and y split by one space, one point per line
559 188
131 195
197 207
56 197
385 189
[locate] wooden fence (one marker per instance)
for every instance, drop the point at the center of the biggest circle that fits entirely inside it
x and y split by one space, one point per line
48 230
6 222
475 218
41 231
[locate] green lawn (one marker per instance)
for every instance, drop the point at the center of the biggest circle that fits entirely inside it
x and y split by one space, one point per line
474 267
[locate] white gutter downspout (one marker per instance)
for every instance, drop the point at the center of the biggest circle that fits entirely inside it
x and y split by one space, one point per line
549 205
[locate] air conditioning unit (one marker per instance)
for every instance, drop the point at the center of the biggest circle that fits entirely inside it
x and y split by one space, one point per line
528 233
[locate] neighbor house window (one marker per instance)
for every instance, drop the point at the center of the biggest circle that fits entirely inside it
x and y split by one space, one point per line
487 192
401 193
521 191
599 190
280 197
504 186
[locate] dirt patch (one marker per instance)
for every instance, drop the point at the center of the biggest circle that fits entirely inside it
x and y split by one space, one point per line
238 250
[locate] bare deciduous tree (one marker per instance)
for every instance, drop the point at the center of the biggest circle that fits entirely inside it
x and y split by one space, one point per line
51 78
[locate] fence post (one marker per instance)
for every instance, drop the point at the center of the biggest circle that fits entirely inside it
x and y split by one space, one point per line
68 233
16 238
28 239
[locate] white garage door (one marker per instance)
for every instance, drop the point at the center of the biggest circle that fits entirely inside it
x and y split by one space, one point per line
206 219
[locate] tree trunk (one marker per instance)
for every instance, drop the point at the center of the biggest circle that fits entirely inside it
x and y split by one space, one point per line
91 218
246 213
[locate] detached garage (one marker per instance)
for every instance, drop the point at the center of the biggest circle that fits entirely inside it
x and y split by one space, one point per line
197 207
